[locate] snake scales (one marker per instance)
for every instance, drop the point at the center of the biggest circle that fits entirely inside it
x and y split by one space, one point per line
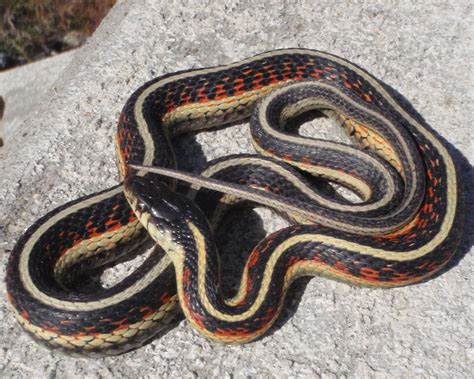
405 228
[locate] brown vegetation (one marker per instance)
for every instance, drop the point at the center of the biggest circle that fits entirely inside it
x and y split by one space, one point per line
31 29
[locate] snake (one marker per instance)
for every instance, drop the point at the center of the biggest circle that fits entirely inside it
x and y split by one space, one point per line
403 229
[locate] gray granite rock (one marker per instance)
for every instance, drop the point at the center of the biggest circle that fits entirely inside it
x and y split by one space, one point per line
65 149
24 88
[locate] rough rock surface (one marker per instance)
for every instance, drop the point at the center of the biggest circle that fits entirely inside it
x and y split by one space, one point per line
25 88
65 150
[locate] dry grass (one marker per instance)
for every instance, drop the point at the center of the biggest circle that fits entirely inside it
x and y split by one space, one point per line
30 29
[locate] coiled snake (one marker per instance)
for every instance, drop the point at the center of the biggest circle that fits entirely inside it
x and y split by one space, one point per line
404 229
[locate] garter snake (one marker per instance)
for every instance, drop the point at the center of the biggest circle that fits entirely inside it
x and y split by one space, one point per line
405 229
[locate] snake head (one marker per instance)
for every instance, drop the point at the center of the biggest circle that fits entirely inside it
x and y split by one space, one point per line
160 210
149 195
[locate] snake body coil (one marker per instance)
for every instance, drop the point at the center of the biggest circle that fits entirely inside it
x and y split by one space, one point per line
405 229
